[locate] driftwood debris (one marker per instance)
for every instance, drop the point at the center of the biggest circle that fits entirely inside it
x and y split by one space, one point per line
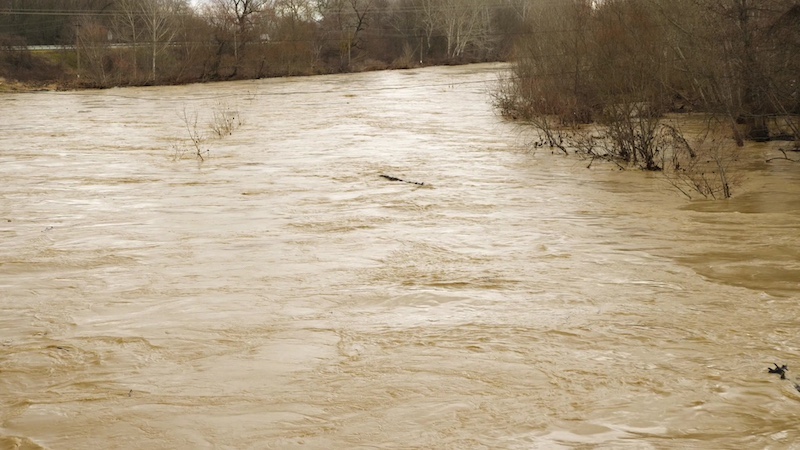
780 370
390 178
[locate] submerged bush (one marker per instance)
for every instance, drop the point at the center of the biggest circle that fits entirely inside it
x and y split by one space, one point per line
622 64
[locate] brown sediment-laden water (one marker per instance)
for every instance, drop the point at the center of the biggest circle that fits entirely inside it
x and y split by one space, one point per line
282 294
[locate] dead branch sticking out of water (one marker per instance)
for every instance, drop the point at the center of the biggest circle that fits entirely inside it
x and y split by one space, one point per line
391 178
196 138
707 165
780 370
224 121
785 156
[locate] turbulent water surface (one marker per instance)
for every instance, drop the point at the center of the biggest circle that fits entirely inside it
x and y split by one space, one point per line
281 294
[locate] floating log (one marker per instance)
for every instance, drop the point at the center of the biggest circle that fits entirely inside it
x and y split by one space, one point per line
391 178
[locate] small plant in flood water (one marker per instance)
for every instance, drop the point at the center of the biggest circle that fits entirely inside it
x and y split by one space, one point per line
224 120
707 165
223 123
195 137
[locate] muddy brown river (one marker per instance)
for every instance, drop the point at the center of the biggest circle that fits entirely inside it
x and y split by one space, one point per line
281 294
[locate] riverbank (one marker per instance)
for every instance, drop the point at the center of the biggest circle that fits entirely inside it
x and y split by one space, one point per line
8 86
26 71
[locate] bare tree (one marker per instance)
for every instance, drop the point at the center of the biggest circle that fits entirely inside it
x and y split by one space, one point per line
706 164
158 19
464 22
738 57
345 21
295 11
430 18
623 63
236 24
129 28
552 74
403 21
358 15
522 8
241 15
292 36
93 54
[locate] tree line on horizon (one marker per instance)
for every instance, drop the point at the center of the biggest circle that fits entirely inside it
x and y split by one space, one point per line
126 42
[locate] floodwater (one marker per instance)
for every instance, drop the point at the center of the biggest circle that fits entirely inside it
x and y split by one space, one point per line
281 294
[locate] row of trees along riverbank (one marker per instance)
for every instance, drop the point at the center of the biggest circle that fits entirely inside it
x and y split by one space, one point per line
597 77
130 42
623 63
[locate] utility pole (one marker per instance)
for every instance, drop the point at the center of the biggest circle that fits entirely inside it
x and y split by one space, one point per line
349 49
77 45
